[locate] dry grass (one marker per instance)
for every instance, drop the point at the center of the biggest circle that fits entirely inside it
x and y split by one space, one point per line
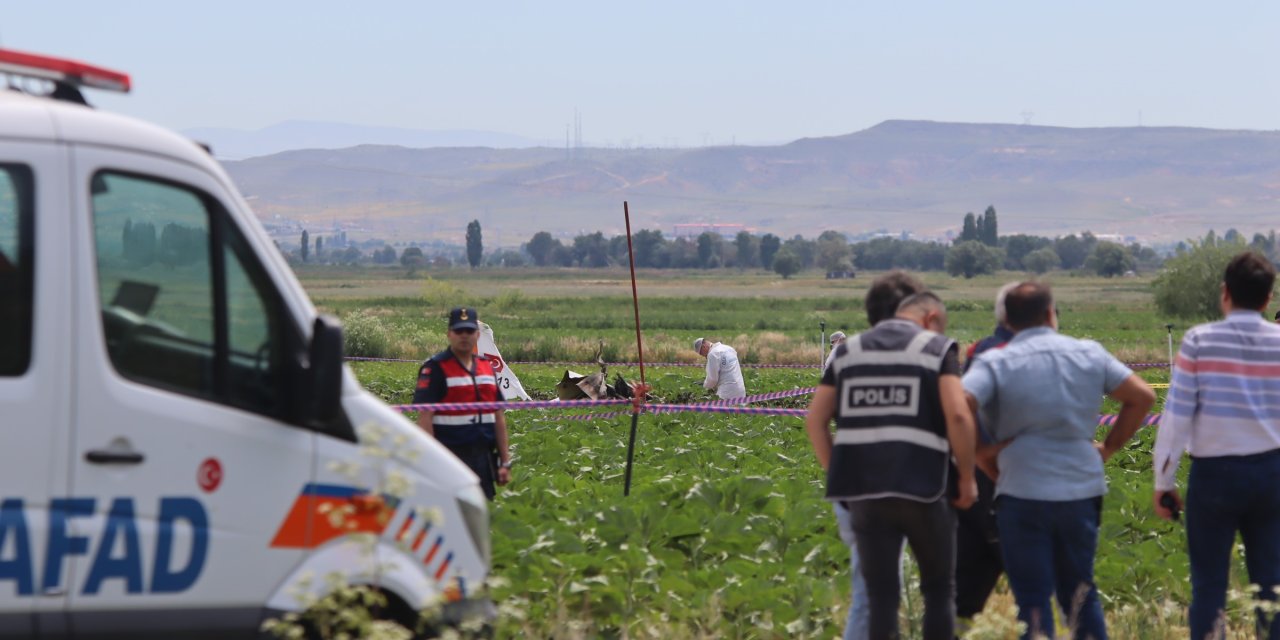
1164 620
769 347
373 282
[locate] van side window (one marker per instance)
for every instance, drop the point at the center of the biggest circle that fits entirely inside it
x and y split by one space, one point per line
17 267
185 305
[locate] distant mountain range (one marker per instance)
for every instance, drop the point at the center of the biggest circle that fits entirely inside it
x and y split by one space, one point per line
1159 184
237 144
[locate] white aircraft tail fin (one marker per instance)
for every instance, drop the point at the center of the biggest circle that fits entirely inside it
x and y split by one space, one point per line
507 380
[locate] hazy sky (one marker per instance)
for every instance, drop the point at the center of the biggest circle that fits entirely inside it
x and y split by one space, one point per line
663 72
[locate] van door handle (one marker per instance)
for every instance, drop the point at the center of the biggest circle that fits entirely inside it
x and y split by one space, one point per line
113 456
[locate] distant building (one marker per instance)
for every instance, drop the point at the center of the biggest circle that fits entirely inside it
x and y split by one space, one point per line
1115 237
693 230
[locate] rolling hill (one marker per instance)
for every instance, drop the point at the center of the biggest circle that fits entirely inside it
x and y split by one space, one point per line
1159 184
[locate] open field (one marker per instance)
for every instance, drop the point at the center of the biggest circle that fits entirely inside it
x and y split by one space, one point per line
343 282
565 314
725 534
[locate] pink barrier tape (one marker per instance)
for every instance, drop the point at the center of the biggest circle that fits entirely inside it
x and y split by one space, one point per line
735 406
610 364
510 406
734 402
1109 420
760 397
668 364
597 416
569 404
1131 365
1105 419
721 408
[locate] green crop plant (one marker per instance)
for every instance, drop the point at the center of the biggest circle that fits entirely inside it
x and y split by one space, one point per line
726 534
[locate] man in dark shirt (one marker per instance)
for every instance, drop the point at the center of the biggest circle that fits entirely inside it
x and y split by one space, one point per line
978 561
900 413
478 437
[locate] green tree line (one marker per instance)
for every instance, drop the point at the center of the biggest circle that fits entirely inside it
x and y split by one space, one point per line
977 248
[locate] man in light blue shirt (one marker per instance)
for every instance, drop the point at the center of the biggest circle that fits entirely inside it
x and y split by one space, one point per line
1039 399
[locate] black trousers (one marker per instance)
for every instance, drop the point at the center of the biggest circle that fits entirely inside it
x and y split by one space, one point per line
482 458
930 529
978 561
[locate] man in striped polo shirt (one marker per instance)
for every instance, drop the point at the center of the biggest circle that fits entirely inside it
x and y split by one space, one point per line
1224 408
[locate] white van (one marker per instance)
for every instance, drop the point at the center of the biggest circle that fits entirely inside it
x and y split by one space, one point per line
182 450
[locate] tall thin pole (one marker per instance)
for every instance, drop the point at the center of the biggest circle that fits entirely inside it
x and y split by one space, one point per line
822 324
635 299
1169 328
644 388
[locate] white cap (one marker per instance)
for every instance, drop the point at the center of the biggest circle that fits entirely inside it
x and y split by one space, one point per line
697 344
837 336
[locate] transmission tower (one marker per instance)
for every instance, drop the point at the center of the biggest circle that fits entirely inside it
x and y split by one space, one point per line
577 132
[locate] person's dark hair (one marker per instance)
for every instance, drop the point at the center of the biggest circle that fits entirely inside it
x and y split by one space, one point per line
1249 279
1278 316
887 292
1027 305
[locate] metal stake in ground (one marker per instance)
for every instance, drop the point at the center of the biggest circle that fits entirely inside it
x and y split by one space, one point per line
822 325
1169 328
643 390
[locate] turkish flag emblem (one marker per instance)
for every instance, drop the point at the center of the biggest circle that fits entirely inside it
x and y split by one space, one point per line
496 361
209 475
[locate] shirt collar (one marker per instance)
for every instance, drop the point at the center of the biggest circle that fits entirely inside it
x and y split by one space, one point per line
1003 333
1245 315
897 320
1027 334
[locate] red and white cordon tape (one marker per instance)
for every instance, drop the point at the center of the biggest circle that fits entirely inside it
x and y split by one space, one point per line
570 404
761 397
1131 365
610 364
733 402
510 405
735 406
1109 419
673 364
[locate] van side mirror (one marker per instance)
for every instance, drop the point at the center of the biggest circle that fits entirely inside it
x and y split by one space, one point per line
322 394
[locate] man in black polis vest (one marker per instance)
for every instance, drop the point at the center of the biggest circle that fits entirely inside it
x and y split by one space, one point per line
894 392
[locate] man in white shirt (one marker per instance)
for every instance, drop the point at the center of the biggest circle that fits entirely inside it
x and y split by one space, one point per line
837 339
723 373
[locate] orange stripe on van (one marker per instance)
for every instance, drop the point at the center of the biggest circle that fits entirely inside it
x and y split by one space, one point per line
324 512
